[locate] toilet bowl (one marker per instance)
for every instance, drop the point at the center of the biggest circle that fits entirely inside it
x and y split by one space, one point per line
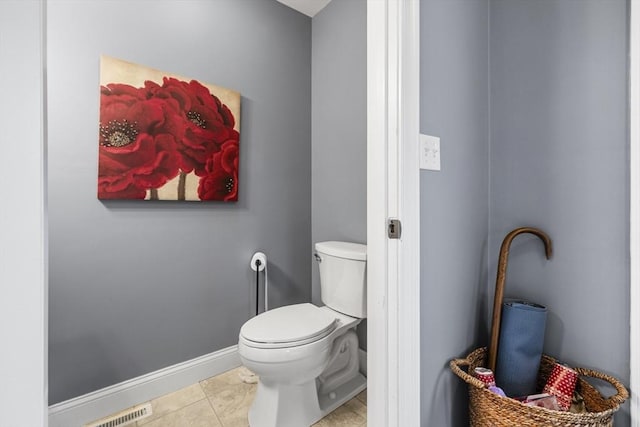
306 357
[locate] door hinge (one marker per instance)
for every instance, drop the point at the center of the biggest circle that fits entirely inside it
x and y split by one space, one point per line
394 228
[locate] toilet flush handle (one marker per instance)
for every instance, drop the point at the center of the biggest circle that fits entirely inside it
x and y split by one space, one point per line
318 258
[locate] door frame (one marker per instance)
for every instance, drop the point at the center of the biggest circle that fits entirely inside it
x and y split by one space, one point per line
634 202
23 245
393 191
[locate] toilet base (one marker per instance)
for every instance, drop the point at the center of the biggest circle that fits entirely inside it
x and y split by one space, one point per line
343 394
299 405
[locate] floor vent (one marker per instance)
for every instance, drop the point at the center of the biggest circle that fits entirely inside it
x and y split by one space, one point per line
124 418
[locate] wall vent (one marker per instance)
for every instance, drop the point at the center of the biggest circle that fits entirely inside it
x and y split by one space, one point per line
124 418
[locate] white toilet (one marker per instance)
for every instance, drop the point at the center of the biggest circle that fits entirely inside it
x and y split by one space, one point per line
307 356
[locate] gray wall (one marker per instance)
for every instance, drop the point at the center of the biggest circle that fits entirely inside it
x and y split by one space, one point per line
454 202
530 100
559 161
137 286
339 128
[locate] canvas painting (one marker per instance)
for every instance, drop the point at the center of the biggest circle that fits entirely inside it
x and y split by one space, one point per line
165 137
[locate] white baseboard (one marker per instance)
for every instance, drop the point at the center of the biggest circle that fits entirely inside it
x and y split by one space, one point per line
101 403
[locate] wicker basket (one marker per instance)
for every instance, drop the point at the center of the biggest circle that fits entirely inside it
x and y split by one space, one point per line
487 409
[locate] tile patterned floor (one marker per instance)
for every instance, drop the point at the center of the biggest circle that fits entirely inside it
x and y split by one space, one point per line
224 401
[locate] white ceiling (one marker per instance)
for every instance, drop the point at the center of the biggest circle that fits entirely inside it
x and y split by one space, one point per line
308 7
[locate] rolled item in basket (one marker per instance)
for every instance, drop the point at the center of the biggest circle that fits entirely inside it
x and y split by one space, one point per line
520 347
562 383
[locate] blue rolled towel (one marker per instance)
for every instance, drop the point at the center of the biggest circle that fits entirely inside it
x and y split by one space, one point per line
520 347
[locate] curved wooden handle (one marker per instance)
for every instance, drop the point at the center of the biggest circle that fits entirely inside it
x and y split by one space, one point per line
502 277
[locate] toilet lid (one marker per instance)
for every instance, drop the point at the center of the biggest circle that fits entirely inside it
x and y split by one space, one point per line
289 324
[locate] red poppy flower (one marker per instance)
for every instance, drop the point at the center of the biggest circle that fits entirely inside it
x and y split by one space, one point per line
137 150
207 122
125 112
126 172
221 180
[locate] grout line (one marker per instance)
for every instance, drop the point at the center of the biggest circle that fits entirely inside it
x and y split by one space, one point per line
214 411
149 421
176 410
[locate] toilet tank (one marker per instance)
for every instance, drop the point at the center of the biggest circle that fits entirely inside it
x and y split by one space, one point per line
343 276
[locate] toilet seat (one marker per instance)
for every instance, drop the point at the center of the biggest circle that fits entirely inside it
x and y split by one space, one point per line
288 326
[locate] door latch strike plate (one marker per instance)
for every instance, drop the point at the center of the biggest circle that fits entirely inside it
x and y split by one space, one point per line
394 228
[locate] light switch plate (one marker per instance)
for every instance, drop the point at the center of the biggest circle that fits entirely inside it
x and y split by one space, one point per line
429 152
